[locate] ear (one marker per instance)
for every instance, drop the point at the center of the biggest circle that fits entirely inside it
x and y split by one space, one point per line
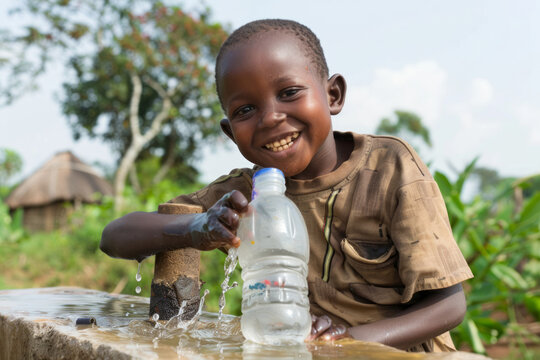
226 128
336 89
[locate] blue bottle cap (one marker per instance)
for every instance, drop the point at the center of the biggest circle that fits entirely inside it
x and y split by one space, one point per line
268 170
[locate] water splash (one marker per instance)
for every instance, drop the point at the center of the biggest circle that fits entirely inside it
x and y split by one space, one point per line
189 323
229 266
176 322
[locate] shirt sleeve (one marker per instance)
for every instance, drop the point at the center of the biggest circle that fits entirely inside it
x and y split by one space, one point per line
429 257
237 179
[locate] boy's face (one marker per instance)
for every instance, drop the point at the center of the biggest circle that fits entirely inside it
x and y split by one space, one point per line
277 104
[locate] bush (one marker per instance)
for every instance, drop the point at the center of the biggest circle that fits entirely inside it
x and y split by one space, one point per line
499 239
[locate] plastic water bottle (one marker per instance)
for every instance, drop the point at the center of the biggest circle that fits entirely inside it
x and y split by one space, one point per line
274 253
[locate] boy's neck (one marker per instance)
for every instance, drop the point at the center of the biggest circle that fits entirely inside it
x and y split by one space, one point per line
334 153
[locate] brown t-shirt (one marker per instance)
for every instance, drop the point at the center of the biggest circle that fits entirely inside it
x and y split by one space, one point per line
379 232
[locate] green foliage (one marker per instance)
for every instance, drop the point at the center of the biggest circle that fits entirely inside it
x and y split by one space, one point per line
10 164
405 125
11 230
499 237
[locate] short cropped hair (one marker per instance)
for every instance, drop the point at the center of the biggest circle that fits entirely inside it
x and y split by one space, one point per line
307 38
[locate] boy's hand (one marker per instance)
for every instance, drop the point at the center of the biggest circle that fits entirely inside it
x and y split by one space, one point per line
323 329
217 227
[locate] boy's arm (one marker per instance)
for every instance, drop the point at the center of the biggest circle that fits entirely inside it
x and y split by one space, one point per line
435 312
139 234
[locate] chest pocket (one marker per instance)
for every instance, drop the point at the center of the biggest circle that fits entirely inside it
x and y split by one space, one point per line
375 262
367 247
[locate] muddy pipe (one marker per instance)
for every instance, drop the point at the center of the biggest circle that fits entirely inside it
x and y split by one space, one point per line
176 275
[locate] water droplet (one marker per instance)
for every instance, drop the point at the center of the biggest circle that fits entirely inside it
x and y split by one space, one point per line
138 289
138 277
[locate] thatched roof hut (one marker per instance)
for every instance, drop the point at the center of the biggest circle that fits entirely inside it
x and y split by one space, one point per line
49 194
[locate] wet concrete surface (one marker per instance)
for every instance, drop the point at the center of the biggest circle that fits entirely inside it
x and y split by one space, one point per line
42 324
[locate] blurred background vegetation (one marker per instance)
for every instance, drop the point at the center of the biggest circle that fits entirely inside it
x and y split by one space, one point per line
141 80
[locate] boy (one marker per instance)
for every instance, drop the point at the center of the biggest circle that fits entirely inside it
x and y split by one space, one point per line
383 263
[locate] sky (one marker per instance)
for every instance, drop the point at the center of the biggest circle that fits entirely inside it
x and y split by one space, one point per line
469 69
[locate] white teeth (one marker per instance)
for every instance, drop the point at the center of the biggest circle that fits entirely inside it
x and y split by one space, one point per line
283 144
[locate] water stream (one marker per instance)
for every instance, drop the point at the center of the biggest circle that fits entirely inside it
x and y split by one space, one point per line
230 264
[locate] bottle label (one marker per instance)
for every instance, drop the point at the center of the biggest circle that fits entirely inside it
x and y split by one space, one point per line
266 283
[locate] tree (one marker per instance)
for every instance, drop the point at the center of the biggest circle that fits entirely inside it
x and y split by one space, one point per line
143 79
407 125
19 67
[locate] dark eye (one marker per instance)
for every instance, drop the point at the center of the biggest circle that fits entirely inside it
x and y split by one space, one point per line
242 110
289 93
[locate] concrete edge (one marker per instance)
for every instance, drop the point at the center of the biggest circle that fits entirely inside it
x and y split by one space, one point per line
26 339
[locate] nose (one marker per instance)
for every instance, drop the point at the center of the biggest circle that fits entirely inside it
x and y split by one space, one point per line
272 116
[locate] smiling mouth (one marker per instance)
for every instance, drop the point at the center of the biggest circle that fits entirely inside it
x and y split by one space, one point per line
282 144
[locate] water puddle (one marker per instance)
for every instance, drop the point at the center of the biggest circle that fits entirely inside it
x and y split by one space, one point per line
208 336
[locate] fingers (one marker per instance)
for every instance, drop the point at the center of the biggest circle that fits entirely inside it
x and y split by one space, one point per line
237 201
323 329
217 227
231 205
228 217
335 332
318 326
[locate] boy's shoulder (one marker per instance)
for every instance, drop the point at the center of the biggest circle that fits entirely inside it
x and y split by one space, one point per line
241 175
237 179
393 144
396 155
369 143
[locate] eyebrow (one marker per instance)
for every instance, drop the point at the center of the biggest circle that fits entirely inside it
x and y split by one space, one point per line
285 78
276 82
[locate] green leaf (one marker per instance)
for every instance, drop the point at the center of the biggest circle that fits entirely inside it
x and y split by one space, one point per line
474 337
533 247
444 184
455 207
532 303
458 229
509 276
464 175
489 329
530 215
477 243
